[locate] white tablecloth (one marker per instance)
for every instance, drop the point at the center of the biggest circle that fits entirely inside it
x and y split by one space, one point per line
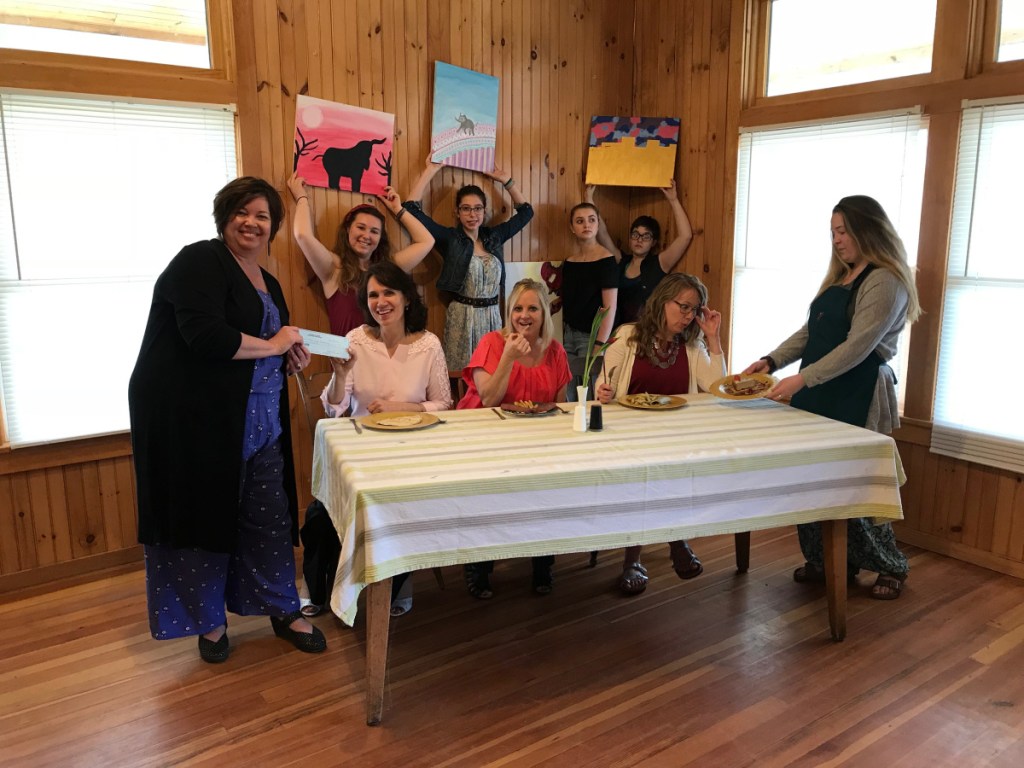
481 488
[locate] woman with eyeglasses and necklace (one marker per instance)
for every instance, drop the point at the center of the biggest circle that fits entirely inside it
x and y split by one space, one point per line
645 357
644 265
473 271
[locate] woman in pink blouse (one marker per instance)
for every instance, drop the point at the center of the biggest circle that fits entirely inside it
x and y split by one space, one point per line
394 364
522 361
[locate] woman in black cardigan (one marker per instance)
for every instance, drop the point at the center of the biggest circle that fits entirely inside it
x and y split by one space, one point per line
210 434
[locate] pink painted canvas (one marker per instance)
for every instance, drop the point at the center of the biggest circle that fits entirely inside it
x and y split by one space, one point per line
342 147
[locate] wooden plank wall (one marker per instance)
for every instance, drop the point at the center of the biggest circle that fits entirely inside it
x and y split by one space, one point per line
559 63
69 508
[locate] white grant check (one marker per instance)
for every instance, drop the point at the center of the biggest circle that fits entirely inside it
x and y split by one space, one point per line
325 344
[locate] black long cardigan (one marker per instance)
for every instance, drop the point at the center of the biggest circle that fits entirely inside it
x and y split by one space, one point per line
187 401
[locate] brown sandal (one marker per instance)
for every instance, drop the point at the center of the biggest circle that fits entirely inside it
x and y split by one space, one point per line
887 587
633 580
684 562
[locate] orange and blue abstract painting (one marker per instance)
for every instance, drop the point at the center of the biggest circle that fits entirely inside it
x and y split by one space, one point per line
632 151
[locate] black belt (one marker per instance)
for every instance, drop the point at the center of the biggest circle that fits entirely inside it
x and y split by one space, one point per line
475 302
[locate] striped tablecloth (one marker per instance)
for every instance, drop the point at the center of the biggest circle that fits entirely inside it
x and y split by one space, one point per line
481 488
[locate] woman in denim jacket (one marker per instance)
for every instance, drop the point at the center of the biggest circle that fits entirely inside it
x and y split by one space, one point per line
474 265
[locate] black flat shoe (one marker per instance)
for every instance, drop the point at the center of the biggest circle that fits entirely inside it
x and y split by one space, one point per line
307 642
214 652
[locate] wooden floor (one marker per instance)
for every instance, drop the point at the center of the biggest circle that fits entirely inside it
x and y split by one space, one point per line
724 670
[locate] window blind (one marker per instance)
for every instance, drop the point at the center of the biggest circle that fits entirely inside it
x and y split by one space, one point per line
96 197
978 415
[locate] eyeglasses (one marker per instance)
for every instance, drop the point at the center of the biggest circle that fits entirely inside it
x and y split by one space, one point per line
643 237
686 309
471 209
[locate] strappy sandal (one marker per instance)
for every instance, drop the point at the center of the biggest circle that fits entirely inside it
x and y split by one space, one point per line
477 582
633 580
684 562
887 587
812 573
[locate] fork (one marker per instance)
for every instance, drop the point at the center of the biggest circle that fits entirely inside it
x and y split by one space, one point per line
498 413
359 430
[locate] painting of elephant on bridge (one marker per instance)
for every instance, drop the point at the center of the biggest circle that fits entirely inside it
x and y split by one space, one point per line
465 118
343 147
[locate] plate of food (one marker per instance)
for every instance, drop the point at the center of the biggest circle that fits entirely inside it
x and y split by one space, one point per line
529 408
743 386
648 402
394 421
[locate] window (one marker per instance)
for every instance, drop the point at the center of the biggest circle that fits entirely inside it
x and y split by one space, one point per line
1011 30
96 196
788 181
814 44
978 415
165 32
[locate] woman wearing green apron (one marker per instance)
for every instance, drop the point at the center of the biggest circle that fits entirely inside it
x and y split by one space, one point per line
844 348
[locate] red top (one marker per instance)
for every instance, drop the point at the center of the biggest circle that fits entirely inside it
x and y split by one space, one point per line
343 312
542 383
674 380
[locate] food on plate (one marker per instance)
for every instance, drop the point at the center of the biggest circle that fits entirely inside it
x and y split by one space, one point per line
527 406
647 399
746 386
400 421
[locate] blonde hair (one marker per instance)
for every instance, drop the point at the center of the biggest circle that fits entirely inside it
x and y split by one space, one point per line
528 284
879 244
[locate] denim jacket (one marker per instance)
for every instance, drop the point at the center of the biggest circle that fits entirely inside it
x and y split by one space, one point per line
456 247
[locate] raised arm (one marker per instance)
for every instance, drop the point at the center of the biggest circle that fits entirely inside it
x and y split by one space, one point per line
506 181
603 237
423 180
673 252
422 241
609 300
320 258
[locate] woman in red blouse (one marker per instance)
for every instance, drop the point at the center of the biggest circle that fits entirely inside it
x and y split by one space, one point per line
522 361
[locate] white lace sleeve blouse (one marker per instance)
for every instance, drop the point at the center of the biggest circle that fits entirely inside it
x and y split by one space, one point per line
417 373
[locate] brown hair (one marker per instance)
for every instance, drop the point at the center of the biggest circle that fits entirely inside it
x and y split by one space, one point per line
349 273
652 316
236 194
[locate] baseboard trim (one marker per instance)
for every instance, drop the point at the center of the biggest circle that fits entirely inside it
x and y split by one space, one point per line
71 572
960 551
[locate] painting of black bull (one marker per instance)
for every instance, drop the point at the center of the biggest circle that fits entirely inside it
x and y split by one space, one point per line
349 162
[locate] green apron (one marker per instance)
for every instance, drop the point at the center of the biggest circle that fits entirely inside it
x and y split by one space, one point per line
848 396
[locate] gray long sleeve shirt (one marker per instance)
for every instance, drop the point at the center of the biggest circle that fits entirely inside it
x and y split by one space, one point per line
879 315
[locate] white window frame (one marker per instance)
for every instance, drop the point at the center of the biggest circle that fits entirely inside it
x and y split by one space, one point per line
981 308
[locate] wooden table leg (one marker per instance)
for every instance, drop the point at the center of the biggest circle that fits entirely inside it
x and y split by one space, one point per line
833 534
378 620
743 552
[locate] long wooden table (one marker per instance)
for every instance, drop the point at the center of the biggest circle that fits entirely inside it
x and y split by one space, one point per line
479 487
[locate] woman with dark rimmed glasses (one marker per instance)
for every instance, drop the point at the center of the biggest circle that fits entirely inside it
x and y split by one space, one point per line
643 263
673 348
473 272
